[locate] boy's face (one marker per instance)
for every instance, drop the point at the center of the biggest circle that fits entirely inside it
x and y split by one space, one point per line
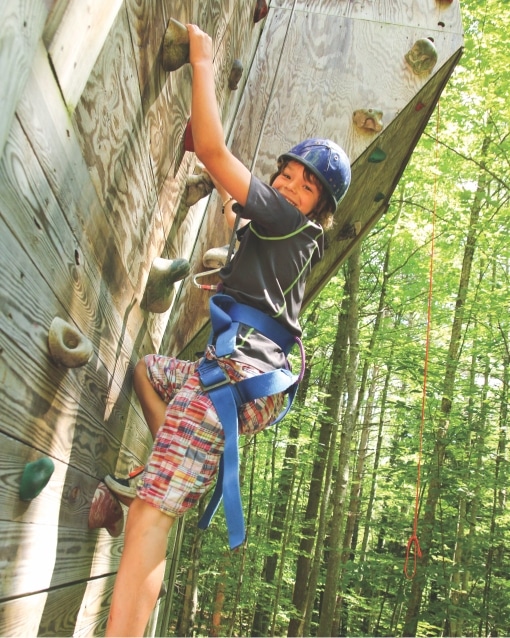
299 191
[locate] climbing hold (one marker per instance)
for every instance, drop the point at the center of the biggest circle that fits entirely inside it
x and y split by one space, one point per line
261 10
188 138
106 511
159 290
35 477
349 231
67 344
236 73
377 155
368 120
379 197
422 56
215 257
175 46
419 106
199 185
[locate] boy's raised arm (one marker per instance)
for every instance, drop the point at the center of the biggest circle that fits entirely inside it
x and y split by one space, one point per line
208 135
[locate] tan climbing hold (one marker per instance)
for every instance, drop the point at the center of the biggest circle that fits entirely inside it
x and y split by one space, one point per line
422 56
368 120
215 257
236 73
106 511
199 185
159 290
67 345
175 46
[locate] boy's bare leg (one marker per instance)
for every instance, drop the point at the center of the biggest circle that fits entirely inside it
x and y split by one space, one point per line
141 570
153 406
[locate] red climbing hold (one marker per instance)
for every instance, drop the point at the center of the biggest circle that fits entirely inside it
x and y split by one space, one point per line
188 138
106 511
261 10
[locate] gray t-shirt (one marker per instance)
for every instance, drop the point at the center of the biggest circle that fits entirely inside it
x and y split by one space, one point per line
276 253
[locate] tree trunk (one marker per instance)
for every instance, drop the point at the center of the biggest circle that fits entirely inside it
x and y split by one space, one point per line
327 438
348 425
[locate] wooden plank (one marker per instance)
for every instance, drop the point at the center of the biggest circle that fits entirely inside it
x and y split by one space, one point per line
79 609
79 38
21 25
37 557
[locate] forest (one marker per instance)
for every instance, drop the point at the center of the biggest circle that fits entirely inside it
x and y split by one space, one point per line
378 506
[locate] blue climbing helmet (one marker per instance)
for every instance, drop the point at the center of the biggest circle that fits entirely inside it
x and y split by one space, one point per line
327 161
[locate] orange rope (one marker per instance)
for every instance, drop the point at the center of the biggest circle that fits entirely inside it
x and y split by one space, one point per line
413 544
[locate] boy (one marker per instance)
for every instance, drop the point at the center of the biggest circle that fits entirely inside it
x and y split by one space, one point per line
281 239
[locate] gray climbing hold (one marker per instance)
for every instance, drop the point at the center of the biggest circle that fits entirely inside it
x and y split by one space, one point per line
215 257
159 290
199 185
67 345
236 73
175 46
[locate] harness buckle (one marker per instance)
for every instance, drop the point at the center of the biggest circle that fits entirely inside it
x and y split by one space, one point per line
212 376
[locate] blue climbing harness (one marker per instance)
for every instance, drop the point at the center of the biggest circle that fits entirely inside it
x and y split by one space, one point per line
227 397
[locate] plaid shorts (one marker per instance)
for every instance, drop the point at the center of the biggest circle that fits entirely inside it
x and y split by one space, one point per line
189 444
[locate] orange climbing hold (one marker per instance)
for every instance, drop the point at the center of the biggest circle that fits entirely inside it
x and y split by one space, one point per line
106 511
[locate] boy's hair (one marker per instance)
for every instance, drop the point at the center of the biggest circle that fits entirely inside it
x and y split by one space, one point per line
325 209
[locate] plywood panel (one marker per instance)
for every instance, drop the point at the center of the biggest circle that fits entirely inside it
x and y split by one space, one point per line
430 14
47 125
108 120
78 39
363 203
21 25
79 415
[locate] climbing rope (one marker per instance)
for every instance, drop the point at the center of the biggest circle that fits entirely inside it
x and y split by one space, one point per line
413 544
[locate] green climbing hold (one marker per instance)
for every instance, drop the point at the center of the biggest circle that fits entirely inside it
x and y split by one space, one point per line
377 155
35 477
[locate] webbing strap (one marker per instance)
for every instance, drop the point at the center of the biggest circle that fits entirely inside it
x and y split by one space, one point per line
227 483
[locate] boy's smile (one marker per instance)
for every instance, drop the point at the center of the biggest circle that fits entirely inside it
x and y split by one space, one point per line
294 186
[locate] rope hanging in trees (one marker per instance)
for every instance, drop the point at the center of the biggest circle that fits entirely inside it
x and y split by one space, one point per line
413 544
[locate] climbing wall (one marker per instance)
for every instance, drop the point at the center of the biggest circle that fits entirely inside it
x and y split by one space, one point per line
93 172
95 183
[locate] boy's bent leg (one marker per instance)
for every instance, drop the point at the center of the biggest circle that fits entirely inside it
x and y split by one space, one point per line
141 570
153 406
